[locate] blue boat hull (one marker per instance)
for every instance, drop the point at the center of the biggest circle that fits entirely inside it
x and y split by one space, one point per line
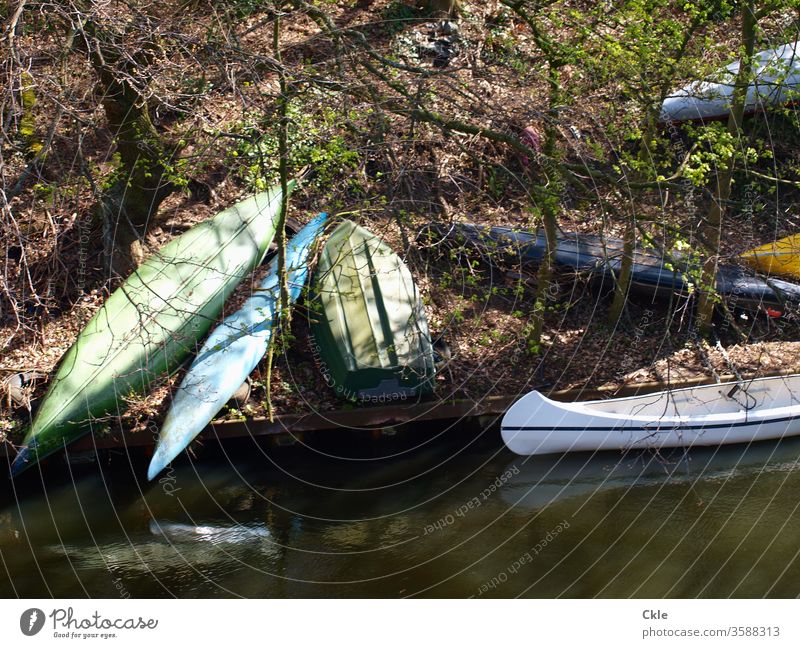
651 274
230 353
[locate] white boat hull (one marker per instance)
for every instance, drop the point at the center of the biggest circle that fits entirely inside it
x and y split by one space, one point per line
777 80
708 415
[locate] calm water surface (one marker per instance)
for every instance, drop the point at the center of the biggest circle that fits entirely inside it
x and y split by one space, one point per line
450 517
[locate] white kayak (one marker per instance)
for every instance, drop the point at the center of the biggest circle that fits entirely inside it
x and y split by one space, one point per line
735 412
776 80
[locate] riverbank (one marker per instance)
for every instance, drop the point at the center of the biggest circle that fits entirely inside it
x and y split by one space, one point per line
395 173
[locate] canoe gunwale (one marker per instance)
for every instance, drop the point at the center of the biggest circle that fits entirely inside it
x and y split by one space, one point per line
683 390
656 428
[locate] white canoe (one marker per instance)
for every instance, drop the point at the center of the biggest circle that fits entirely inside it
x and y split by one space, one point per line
735 412
776 80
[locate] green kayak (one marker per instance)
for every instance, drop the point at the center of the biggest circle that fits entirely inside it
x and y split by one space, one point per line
151 323
370 333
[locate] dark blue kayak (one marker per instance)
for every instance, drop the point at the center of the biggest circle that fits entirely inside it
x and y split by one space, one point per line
652 273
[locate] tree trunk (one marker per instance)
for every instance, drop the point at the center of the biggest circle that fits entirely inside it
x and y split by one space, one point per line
623 279
712 229
141 179
284 312
548 197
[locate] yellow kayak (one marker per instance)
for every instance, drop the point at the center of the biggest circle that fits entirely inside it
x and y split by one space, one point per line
779 257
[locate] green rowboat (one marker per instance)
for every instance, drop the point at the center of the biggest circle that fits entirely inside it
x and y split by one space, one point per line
370 331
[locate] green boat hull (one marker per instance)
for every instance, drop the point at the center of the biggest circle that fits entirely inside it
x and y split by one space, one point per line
150 324
369 328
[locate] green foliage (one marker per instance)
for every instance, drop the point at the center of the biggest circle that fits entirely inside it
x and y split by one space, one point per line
498 181
176 172
314 140
44 191
546 202
116 174
654 46
718 149
530 333
243 8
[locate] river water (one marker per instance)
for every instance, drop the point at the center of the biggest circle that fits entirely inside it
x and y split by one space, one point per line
452 516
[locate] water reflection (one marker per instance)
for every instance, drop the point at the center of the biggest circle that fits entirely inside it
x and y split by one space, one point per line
238 534
547 479
444 519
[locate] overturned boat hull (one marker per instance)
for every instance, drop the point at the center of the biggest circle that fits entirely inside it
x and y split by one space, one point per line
652 274
370 331
776 81
781 257
231 352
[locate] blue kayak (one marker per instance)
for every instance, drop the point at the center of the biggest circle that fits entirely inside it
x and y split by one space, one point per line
231 352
